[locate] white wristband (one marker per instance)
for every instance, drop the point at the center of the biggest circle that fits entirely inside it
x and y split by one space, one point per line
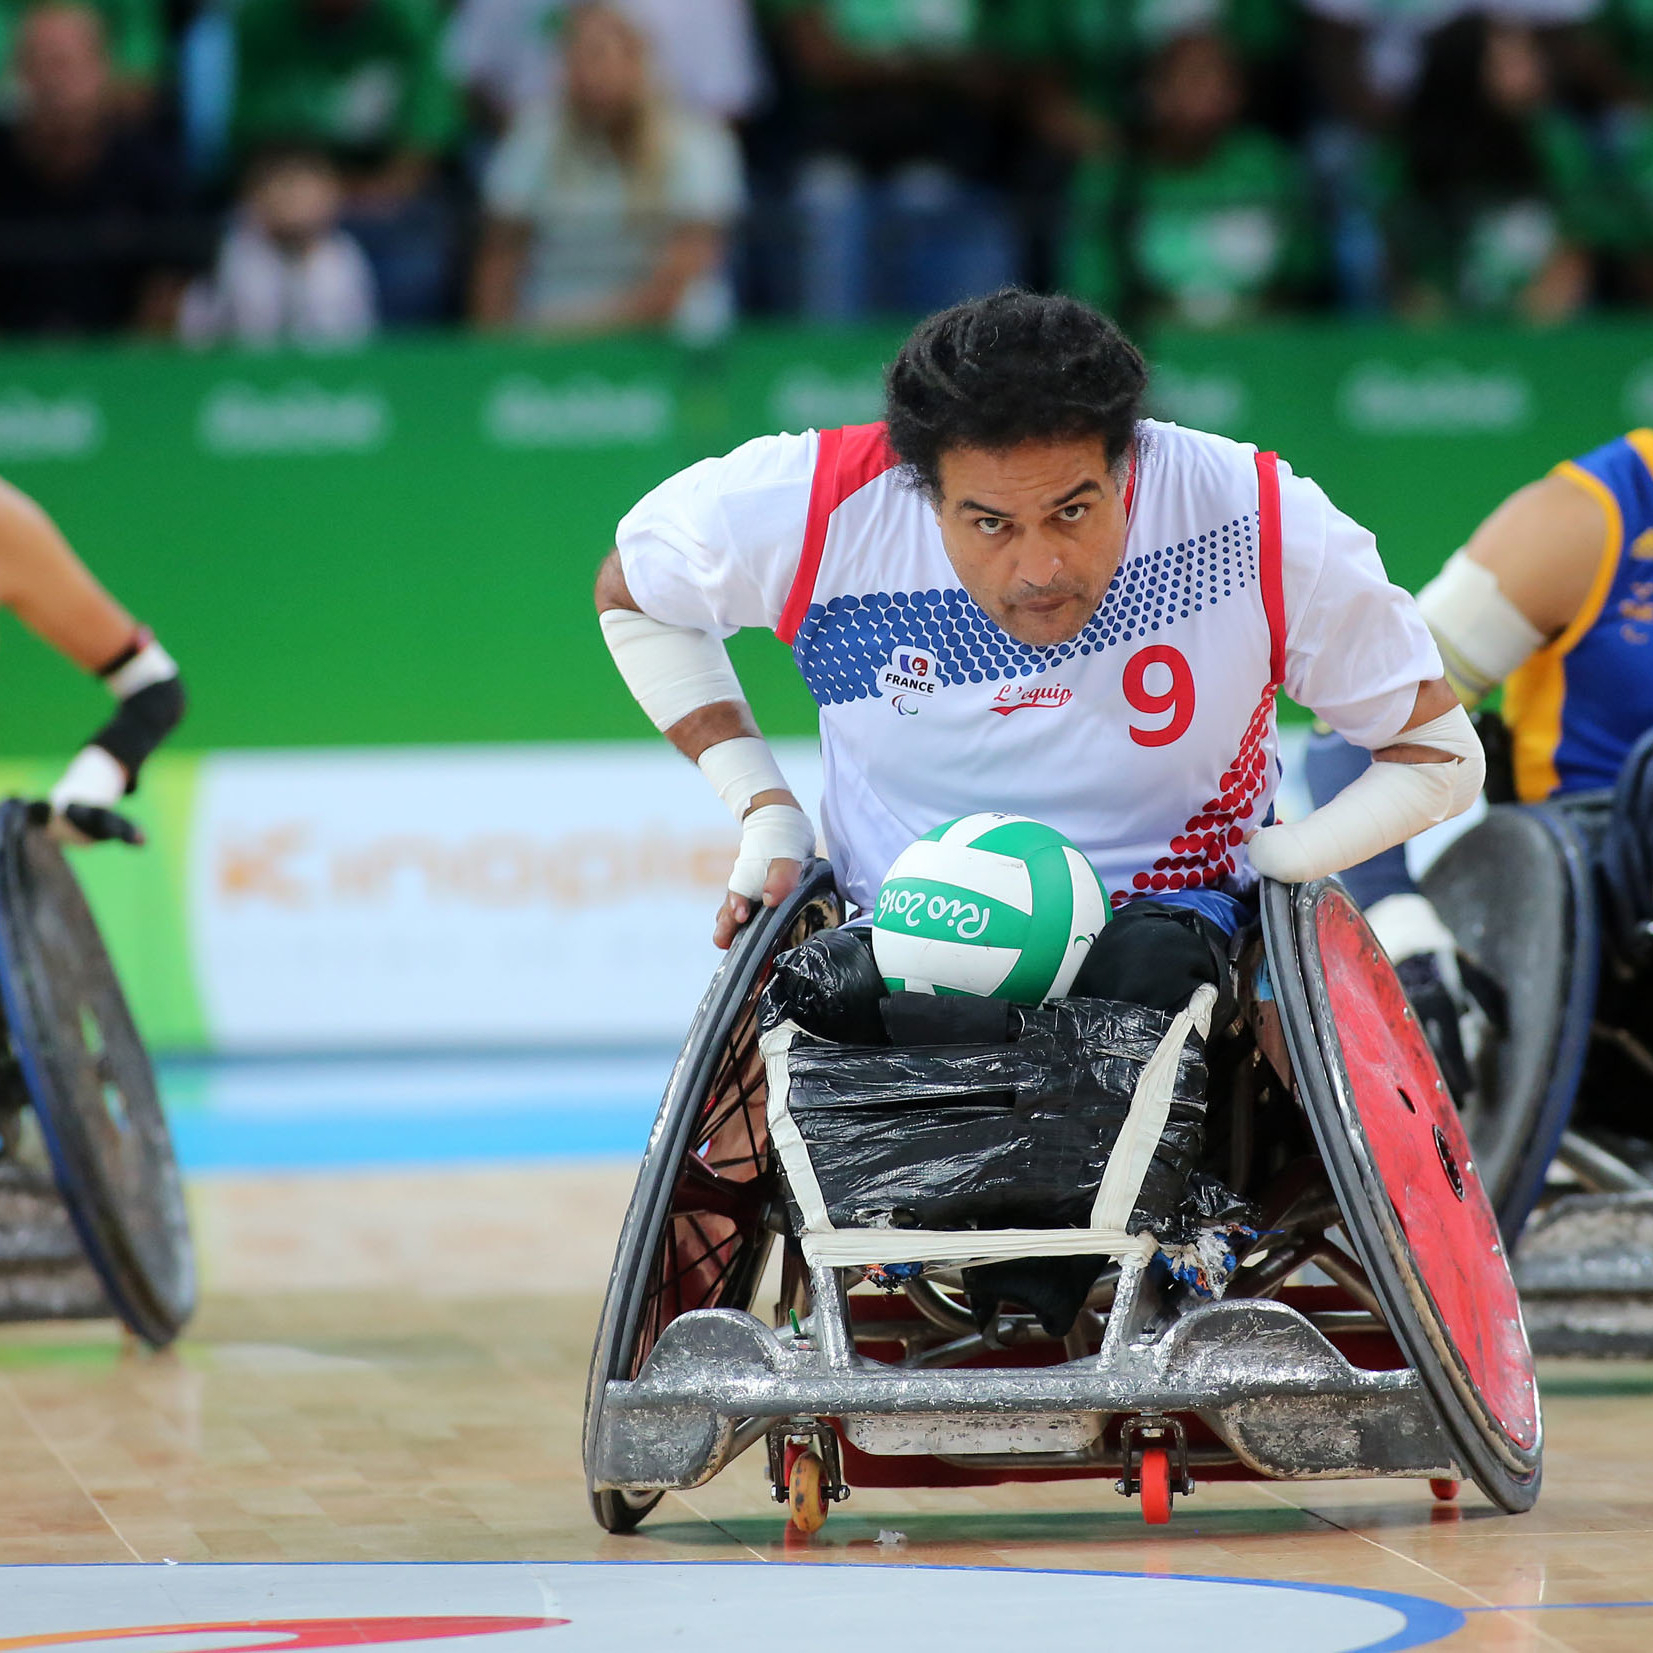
777 832
94 777
740 770
151 664
1384 806
670 670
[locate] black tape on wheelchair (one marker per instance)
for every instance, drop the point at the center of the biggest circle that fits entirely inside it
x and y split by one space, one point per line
91 1086
1012 1135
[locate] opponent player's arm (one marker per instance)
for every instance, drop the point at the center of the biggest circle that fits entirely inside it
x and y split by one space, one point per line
1517 585
685 684
53 593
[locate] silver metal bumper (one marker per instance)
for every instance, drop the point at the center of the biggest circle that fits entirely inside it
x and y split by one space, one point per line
1269 1385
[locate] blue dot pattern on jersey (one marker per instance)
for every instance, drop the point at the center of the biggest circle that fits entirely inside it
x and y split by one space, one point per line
844 643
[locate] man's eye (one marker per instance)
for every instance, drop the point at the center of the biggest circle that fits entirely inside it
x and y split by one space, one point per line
1072 513
992 525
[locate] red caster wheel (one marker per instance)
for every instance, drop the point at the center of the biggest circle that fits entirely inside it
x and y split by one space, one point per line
1444 1490
1155 1475
806 1504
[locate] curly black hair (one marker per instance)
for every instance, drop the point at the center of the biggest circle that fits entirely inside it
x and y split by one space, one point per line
1016 367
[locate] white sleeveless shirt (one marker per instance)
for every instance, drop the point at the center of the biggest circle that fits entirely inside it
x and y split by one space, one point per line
1148 739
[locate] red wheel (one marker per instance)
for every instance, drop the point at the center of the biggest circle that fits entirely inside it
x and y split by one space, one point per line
1155 1473
1444 1490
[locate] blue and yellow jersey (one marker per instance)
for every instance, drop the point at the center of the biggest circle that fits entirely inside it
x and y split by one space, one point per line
1577 706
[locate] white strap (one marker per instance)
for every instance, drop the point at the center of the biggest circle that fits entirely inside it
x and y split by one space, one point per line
1144 1125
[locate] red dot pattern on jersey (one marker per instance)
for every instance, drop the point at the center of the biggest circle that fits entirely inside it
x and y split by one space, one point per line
1203 853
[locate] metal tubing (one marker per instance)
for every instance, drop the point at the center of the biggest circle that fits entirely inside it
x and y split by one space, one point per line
940 1309
1349 1275
1602 1172
829 1317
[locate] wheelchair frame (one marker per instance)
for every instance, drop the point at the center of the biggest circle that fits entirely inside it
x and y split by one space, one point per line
1360 1377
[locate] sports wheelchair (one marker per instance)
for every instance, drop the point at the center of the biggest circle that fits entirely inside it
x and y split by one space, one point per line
1551 902
1403 1356
92 1218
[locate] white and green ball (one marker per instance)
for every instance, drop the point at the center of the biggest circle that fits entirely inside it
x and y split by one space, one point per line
996 906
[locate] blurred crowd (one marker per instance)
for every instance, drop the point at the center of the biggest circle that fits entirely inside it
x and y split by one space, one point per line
314 171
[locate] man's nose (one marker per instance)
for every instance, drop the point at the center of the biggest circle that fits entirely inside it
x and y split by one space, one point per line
1037 562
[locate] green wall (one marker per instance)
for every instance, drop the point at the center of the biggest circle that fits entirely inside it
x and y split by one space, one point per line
397 546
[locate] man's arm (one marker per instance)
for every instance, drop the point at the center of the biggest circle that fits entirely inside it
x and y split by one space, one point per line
53 593
683 680
1519 583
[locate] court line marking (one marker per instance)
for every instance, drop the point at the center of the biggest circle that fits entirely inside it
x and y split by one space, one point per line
1401 1556
1555 1606
1425 1619
69 1470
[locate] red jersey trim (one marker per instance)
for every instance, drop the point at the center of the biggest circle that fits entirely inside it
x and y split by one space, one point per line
1270 557
847 461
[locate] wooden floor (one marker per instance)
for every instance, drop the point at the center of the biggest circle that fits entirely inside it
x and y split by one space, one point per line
391 1368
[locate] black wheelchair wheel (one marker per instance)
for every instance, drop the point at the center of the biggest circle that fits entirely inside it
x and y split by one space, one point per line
1411 1200
1515 890
705 1208
91 1086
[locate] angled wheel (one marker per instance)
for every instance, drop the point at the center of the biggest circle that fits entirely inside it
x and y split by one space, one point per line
1516 892
1406 1183
93 1091
702 1216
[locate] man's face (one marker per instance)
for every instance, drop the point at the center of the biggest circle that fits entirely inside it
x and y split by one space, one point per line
62 65
1034 533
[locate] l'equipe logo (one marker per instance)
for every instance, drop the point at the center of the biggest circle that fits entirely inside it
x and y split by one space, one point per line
1019 697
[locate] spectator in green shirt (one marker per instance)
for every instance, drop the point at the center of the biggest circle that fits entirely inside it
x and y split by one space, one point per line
1503 205
360 80
1204 219
897 193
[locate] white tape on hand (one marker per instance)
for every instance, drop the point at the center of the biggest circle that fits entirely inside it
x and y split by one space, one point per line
93 778
1384 806
777 832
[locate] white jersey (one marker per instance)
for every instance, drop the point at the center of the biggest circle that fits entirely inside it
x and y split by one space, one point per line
1148 739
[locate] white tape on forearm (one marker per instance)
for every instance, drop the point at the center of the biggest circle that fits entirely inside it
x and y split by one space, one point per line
741 770
93 778
670 670
151 664
1482 635
777 832
1385 806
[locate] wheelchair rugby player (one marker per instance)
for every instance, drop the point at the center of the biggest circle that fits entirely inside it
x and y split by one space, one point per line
1017 601
87 1171
1528 944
